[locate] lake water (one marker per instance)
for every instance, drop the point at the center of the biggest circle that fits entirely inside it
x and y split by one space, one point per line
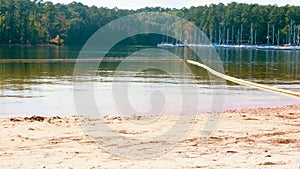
46 88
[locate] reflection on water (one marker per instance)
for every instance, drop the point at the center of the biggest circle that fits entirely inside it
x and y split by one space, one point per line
40 52
46 88
262 66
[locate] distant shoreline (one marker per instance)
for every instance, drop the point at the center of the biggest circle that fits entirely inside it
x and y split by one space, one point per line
43 44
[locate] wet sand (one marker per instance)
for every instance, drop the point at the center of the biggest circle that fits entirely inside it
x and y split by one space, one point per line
248 138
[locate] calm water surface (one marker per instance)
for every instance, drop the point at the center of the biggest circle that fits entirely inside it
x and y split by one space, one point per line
47 88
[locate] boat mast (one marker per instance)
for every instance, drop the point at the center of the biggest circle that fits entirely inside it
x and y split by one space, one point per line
167 38
294 33
241 33
195 36
273 40
278 38
238 39
251 41
223 35
199 37
290 32
298 35
211 36
180 39
173 39
220 35
215 36
227 36
268 41
255 36
232 35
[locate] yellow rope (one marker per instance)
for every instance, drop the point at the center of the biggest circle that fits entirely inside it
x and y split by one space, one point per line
244 82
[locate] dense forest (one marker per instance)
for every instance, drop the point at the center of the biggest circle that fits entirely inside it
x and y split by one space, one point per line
36 21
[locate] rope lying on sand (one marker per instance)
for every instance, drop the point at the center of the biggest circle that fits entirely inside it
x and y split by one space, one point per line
244 82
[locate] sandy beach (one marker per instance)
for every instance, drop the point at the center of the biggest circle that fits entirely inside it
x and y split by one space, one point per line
248 138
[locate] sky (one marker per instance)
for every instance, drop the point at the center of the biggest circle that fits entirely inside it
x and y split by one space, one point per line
136 4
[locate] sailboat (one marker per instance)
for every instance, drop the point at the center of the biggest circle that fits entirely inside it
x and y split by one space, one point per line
180 43
289 46
165 43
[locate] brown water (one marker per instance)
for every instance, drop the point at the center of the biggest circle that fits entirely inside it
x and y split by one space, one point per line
46 88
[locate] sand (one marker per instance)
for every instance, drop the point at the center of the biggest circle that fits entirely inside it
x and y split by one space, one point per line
249 138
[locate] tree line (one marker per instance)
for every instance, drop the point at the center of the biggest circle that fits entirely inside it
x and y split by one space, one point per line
36 21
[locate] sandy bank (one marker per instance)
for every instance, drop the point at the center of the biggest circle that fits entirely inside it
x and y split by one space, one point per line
252 138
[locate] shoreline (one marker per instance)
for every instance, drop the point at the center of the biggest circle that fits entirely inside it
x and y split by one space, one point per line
246 138
228 110
29 44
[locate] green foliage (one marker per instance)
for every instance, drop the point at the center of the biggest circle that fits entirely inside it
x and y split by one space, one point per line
36 21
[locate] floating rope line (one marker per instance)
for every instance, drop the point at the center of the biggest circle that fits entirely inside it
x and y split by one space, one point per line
244 82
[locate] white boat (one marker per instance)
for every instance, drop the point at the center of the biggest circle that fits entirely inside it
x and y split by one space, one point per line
266 47
165 44
272 47
200 45
251 46
287 47
180 45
